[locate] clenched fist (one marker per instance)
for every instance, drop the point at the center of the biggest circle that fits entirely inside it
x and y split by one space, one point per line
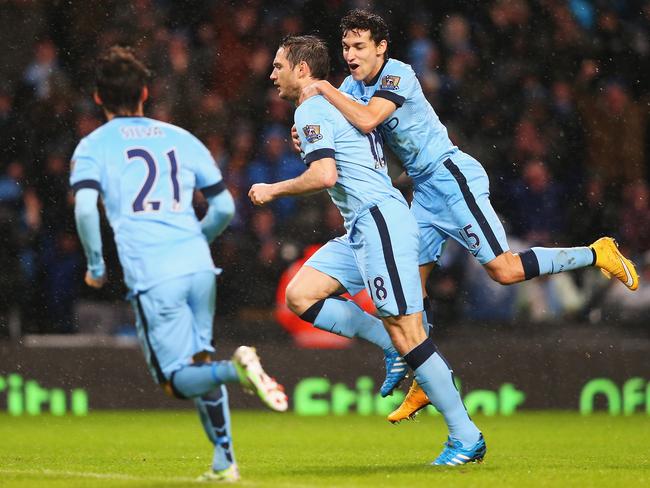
261 193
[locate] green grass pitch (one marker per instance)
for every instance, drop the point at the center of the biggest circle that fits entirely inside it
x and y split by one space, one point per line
155 449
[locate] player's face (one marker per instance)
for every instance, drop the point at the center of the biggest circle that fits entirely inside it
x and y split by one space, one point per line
284 77
363 56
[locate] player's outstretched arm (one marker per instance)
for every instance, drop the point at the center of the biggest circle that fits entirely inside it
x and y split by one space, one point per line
221 210
364 117
320 175
87 220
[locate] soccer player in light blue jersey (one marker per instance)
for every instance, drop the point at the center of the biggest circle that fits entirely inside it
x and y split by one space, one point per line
381 243
451 189
146 172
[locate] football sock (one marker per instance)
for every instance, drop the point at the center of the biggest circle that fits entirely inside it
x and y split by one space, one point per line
215 417
346 318
196 379
550 260
435 377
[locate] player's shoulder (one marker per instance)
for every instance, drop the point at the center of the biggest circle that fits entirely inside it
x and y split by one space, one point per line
92 142
348 84
316 106
396 64
394 72
96 135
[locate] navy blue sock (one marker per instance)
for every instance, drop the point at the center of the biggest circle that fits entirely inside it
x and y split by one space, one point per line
215 417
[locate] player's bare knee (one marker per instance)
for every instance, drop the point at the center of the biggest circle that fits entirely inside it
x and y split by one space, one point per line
503 276
506 269
296 298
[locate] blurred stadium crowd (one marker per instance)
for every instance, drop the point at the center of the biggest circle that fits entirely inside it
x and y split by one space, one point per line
551 96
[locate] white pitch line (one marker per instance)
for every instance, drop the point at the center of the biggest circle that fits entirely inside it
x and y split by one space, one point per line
101 476
128 477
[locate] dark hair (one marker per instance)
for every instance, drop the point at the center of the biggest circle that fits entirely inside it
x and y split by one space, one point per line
360 19
120 77
310 49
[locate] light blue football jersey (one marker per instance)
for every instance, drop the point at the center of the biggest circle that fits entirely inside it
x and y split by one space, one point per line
414 131
146 172
363 179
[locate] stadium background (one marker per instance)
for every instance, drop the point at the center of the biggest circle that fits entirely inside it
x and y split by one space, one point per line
551 96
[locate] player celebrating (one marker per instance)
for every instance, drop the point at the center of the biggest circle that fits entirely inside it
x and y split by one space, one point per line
146 172
451 189
381 243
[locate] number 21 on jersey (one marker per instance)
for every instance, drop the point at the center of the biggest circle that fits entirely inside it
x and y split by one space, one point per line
141 203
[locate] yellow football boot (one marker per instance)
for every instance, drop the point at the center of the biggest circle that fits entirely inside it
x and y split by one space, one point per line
416 399
612 263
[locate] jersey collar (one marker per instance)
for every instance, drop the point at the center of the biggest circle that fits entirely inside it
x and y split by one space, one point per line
374 80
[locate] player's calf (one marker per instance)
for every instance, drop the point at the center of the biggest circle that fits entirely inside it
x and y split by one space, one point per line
308 287
197 379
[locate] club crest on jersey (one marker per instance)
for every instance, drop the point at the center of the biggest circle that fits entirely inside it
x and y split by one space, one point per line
312 133
390 82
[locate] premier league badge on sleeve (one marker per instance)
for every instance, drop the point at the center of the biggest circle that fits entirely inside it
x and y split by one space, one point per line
390 82
312 133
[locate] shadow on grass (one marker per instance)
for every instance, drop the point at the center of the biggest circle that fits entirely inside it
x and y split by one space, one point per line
365 470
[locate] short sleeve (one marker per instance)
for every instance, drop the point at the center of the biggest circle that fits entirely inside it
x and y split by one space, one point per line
396 83
85 168
316 132
208 175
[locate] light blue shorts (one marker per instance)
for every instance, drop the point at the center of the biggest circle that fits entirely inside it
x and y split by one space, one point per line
455 202
174 321
379 254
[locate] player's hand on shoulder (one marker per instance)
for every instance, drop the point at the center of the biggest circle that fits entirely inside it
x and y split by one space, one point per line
295 139
261 193
95 282
310 91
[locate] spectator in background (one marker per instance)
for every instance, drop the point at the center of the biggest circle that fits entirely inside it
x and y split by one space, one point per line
11 243
564 82
277 162
635 217
422 52
181 85
62 271
44 70
537 211
235 174
258 266
591 216
615 127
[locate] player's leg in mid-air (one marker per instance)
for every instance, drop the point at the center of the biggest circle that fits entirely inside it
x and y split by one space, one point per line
314 295
472 221
174 322
455 202
386 244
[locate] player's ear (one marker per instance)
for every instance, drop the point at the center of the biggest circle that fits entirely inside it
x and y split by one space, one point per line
304 69
97 98
382 46
145 94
